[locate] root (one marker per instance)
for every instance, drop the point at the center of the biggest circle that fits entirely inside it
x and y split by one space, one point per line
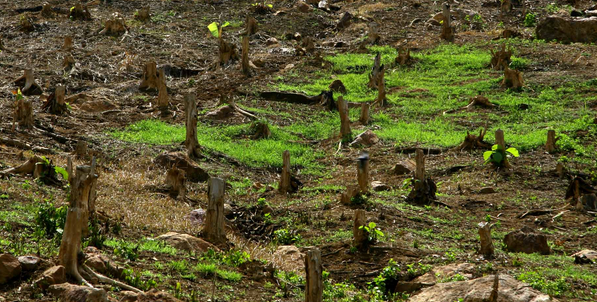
107 280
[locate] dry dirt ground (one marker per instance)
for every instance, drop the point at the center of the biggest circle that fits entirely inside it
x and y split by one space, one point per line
108 70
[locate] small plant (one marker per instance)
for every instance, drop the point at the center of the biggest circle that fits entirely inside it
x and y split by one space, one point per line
497 155
529 20
215 29
286 237
373 233
386 279
236 258
49 220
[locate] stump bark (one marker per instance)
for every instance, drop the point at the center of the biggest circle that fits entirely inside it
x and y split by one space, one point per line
484 229
501 58
359 234
23 114
403 57
250 26
115 26
162 100
79 12
191 141
313 272
363 172
375 72
284 186
365 114
214 221
424 189
246 69
143 14
55 103
345 132
150 77
68 63
473 142
381 89
27 84
227 51
176 183
512 79
68 43
550 145
447 28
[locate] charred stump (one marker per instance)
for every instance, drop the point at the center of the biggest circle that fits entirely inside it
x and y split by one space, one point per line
424 189
191 141
55 103
214 221
27 84
150 77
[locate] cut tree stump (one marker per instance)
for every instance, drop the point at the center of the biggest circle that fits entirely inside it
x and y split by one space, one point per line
23 114
550 145
474 142
213 230
191 141
260 130
68 43
506 6
485 238
143 14
347 196
373 36
381 90
46 10
424 187
182 161
250 26
227 51
81 149
27 167
314 277
360 236
2 45
245 67
512 79
344 21
363 172
375 72
150 77
79 12
500 59
115 26
345 132
365 116
26 25
68 63
55 103
337 86
284 186
403 57
447 29
27 84
176 183
577 188
162 100
308 44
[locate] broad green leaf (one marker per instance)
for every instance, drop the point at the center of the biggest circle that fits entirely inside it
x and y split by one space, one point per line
270 6
213 28
494 147
487 155
225 24
497 157
513 151
62 172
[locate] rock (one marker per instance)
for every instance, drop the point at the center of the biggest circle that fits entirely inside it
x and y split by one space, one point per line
378 186
156 296
568 30
290 258
405 167
487 190
302 7
464 269
527 241
271 41
585 256
227 209
129 296
197 216
509 290
67 292
29 263
103 265
187 242
182 161
337 86
10 267
51 276
367 138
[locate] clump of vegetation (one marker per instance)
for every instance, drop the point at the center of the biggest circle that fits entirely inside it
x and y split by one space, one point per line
498 156
373 232
529 20
286 237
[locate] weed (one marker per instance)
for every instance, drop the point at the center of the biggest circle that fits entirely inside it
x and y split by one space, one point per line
529 20
286 237
497 156
373 232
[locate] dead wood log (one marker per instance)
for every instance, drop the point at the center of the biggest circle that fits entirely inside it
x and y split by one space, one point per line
359 234
512 79
55 103
284 185
162 100
485 238
191 142
150 77
337 86
375 72
473 142
143 14
363 172
365 116
23 114
213 230
79 12
27 167
424 189
324 99
68 43
27 84
246 69
175 183
227 51
314 277
550 145
448 30
250 26
403 57
115 26
345 132
260 129
501 58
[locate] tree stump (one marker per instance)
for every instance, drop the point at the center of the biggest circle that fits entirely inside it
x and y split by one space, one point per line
479 101
162 100
79 12
115 26
175 182
214 221
246 69
284 186
27 84
26 25
550 145
424 189
55 103
260 129
486 241
81 149
81 199
473 142
506 6
68 43
46 10
314 280
501 58
403 57
2 48
359 234
577 188
23 114
143 14
308 44
447 29
375 72
512 79
250 26
365 114
345 132
381 89
337 86
226 50
150 77
363 172
68 63
346 197
373 36
191 142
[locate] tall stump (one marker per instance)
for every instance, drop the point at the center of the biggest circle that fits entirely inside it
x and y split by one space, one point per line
363 172
485 238
191 142
214 221
345 131
313 271
360 236
284 185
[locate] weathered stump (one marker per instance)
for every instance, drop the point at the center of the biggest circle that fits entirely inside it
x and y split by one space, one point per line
115 26
162 100
284 185
27 84
227 51
214 221
79 12
175 183
447 29
363 172
260 129
250 26
473 142
512 79
313 272
246 69
381 89
346 196
375 72
55 103
485 238
68 43
365 116
359 234
576 190
81 149
150 77
143 14
424 189
68 63
345 132
23 114
550 145
501 58
403 57
46 10
191 141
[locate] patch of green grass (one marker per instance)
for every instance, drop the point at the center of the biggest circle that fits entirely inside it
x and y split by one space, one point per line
229 275
206 269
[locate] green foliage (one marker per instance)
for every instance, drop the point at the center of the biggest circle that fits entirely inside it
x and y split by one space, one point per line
497 155
538 281
206 269
417 269
215 29
529 20
62 172
49 220
286 237
236 257
389 275
229 275
134 278
373 232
